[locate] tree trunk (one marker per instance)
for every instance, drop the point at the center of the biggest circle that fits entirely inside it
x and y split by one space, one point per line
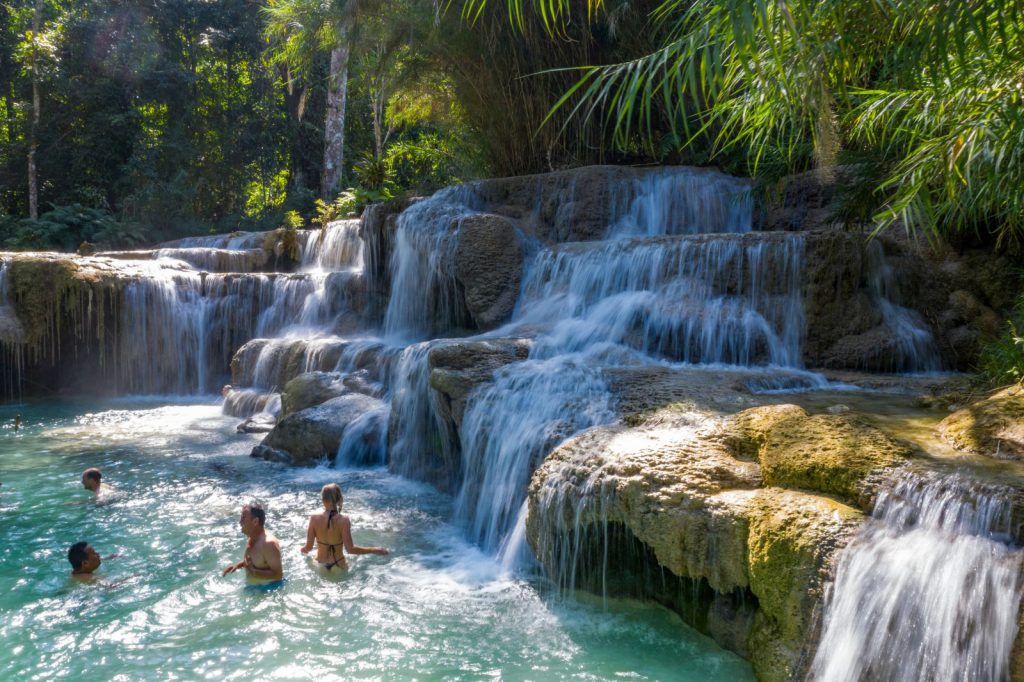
33 181
334 126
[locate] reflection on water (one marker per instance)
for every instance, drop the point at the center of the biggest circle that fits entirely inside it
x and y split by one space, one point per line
436 609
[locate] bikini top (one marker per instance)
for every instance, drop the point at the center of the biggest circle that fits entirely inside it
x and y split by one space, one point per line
330 516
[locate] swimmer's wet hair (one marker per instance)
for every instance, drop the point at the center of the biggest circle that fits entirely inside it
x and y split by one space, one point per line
332 493
256 510
92 473
76 555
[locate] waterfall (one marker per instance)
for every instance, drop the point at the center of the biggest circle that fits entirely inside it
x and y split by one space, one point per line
337 247
11 348
680 201
509 427
929 591
916 350
423 289
364 442
730 299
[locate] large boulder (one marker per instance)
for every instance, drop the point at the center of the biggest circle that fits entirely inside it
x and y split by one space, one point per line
752 560
313 434
489 266
310 389
993 426
456 368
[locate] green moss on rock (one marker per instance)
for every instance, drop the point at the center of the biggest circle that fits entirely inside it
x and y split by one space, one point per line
993 426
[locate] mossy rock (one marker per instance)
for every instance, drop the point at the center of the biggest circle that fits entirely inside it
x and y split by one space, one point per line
833 454
993 426
791 539
746 433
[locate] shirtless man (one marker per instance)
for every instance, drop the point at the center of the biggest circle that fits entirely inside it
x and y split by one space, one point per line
92 479
84 561
262 552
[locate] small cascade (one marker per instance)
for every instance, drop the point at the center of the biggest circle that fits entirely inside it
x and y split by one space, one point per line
916 350
727 299
11 334
423 289
680 201
213 260
509 426
364 442
336 247
246 402
929 591
419 444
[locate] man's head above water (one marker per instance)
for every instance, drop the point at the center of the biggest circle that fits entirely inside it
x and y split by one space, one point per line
253 519
83 558
92 479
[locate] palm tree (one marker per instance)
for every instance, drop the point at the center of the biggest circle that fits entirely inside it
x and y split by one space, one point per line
931 92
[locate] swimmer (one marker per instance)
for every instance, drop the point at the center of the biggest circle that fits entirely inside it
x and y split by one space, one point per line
17 422
225 390
85 560
332 531
92 480
263 552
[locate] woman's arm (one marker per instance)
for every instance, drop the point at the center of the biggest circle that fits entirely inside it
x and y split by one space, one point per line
310 535
351 547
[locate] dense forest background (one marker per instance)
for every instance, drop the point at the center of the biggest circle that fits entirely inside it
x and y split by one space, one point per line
127 122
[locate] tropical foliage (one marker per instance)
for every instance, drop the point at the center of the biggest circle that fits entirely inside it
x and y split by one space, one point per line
927 99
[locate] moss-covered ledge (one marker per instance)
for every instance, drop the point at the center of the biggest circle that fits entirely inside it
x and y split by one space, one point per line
754 504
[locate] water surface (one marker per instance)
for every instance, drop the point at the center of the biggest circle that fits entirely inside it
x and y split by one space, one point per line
438 608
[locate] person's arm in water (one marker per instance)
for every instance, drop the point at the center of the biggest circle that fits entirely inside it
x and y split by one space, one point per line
351 547
234 567
310 535
272 556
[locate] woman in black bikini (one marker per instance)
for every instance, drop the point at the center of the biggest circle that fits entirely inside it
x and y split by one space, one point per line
333 531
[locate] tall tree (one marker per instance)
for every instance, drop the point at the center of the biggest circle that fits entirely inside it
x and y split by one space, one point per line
300 30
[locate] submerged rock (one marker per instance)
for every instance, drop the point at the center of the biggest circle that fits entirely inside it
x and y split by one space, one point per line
307 436
993 426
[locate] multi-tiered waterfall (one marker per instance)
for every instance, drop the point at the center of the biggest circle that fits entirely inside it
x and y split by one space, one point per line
470 334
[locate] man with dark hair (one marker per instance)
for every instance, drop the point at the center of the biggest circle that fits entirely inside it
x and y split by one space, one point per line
84 560
263 552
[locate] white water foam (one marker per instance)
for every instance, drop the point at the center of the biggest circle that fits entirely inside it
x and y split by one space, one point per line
929 591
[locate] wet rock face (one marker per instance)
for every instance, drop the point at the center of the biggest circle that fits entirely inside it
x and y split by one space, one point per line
457 368
313 434
993 427
310 389
732 503
489 266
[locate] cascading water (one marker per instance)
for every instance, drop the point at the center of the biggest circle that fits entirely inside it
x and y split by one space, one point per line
733 300
929 591
916 350
423 289
510 426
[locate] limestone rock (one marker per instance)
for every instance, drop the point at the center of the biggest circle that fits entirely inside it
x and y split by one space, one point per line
678 489
309 389
457 368
307 436
993 426
489 266
832 454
